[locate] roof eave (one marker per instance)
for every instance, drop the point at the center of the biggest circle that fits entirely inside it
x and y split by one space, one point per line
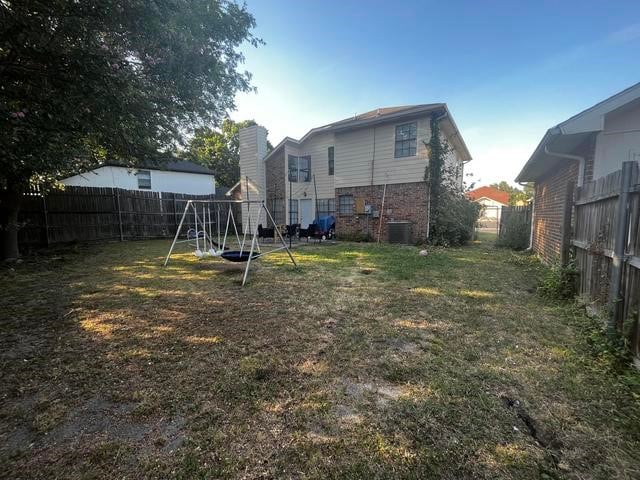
523 175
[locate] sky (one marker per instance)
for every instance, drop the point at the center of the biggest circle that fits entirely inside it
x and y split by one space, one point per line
508 70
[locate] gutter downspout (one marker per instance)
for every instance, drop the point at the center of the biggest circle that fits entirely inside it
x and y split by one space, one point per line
533 220
580 159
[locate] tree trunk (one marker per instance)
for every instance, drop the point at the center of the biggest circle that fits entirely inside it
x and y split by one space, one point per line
9 209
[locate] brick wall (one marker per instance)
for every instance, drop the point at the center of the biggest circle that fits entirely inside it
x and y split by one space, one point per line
275 187
550 195
403 201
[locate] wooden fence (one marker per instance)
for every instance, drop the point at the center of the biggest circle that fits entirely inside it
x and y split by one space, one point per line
82 214
514 230
606 243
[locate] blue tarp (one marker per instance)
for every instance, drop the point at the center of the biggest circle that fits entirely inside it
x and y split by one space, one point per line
326 222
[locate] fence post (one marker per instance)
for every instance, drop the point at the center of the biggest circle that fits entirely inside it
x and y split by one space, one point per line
615 299
175 216
566 224
46 219
117 190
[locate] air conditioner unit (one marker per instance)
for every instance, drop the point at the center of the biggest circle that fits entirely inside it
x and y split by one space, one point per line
399 232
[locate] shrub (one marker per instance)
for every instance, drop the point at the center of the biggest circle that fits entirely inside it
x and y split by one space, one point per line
456 220
525 259
356 237
515 233
559 282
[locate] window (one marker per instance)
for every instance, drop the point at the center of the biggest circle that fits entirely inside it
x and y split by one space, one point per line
304 169
299 169
326 206
144 179
330 154
345 204
293 212
277 211
293 168
406 140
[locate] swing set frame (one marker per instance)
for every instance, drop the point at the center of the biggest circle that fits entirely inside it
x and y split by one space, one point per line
247 230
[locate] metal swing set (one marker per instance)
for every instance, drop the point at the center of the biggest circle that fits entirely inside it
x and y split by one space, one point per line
202 233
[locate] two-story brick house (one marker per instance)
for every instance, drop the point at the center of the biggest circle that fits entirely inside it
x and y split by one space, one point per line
347 167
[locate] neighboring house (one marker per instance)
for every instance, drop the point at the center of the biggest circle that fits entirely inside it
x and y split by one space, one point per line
492 201
585 147
176 177
351 161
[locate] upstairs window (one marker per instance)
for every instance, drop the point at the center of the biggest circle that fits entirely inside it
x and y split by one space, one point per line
293 168
406 140
304 169
299 169
345 204
144 179
330 155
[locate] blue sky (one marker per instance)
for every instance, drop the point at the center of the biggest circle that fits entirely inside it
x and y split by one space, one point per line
508 70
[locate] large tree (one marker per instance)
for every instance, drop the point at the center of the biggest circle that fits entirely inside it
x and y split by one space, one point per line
85 81
220 150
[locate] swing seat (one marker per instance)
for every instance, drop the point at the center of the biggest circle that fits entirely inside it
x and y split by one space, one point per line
237 256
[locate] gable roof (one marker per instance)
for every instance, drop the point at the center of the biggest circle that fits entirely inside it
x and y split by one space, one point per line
491 193
185 166
381 115
566 136
175 165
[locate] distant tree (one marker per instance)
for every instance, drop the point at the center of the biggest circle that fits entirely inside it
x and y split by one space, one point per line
521 197
83 81
220 150
504 187
516 195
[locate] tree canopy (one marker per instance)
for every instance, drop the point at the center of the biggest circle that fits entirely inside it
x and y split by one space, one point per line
516 195
84 81
220 150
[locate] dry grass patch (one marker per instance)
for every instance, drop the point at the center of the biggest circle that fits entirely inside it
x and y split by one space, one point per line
368 361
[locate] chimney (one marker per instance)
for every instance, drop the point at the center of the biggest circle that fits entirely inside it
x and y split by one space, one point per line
253 149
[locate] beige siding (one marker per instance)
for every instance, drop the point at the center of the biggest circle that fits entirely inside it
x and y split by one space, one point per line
317 147
618 142
362 157
368 154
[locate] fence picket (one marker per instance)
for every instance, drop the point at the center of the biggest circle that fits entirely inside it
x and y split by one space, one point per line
597 210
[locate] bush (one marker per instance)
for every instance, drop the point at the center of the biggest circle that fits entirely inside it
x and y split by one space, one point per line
355 237
560 282
454 224
515 233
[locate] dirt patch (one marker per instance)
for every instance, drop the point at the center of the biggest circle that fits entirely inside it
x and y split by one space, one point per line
346 415
103 420
380 393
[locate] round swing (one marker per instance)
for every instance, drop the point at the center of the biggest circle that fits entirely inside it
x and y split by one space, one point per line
237 256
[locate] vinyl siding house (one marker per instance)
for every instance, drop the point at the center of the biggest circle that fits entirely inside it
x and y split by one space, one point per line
351 161
175 177
583 148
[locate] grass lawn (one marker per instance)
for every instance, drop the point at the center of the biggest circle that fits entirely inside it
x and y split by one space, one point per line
365 362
